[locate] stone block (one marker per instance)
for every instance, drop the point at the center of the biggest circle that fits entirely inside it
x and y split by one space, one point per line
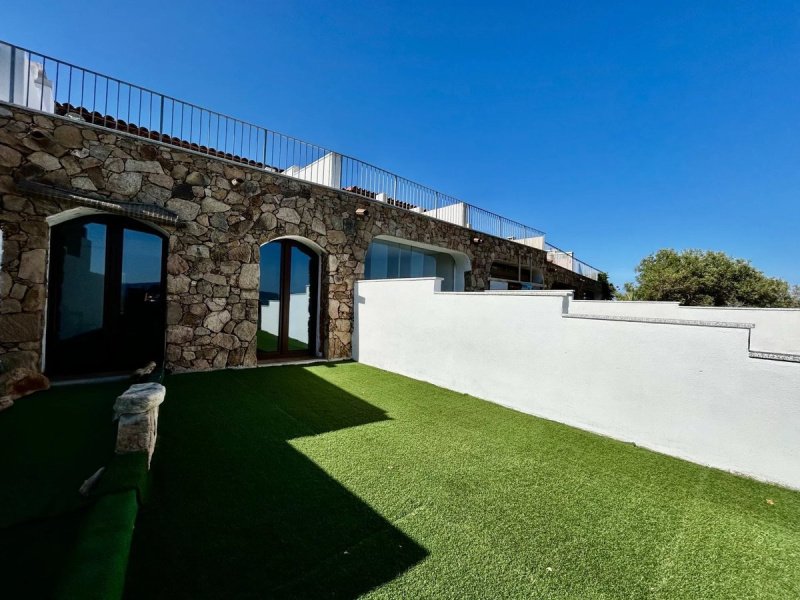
44 160
217 320
197 178
10 305
9 157
19 360
32 265
245 331
143 166
139 398
268 221
249 277
126 183
179 334
20 327
186 210
21 381
288 215
68 136
176 265
137 433
210 205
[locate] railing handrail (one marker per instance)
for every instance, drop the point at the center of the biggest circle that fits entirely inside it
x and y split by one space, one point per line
361 175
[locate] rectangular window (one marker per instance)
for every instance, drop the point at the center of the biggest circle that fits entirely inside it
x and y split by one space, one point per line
392 260
405 262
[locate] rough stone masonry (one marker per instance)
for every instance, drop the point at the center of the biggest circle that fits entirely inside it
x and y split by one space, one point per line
228 211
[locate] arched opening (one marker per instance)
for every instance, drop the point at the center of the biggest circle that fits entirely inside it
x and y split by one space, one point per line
395 258
507 276
106 296
288 299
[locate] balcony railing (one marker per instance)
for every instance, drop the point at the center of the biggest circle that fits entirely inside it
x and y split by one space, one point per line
44 83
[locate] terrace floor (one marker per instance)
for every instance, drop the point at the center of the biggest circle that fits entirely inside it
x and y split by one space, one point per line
50 443
342 480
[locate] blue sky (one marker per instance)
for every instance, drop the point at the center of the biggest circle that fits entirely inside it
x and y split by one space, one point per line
617 128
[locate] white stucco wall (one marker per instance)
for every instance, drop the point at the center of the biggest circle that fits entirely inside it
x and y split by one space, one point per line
455 213
776 329
326 170
562 259
533 242
23 81
685 390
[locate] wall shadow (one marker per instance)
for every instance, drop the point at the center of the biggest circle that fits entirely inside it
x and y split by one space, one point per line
237 512
50 442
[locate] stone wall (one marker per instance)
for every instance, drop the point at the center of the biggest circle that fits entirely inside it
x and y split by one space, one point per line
228 211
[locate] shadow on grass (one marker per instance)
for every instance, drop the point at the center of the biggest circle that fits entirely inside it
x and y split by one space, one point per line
238 512
50 442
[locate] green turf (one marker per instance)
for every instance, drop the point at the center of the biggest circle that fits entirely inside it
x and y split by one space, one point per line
96 565
268 342
50 442
336 481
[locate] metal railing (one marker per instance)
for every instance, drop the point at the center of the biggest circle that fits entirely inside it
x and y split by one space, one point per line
47 84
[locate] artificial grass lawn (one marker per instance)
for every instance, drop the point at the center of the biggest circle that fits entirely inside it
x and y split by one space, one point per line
335 481
268 342
50 443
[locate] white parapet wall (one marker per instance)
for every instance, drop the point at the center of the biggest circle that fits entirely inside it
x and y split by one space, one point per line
326 170
455 213
678 381
23 81
775 329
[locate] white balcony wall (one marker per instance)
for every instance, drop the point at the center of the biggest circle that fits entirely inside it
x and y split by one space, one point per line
453 213
561 259
775 329
23 81
325 171
533 242
691 391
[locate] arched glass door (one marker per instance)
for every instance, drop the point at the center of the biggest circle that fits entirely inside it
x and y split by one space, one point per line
288 300
106 296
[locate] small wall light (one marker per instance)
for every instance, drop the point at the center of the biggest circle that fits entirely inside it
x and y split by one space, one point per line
477 240
362 212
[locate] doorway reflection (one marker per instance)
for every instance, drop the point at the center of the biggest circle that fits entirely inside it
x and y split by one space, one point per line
288 300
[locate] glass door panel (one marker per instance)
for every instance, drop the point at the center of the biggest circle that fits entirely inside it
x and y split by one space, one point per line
300 307
79 292
141 299
83 282
106 297
287 299
269 298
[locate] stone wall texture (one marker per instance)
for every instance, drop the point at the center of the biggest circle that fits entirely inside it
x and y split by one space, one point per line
228 211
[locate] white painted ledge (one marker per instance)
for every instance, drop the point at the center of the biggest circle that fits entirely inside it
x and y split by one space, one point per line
662 321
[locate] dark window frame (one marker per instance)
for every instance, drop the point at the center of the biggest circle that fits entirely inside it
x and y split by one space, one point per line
112 292
283 350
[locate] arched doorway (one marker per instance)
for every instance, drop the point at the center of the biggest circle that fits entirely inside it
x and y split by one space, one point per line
106 300
287 324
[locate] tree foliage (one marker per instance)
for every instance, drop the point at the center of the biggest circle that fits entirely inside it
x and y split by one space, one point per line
608 290
706 278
